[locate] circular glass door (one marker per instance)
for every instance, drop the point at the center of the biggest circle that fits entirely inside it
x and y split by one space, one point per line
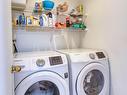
92 80
43 83
43 88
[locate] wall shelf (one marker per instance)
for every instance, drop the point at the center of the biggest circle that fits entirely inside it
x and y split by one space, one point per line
32 12
45 29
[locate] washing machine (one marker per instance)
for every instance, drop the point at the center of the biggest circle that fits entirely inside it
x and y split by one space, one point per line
41 73
89 71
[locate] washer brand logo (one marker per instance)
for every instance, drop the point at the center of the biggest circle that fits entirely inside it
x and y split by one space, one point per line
18 60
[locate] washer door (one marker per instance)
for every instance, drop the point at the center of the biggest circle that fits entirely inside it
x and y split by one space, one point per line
43 83
92 80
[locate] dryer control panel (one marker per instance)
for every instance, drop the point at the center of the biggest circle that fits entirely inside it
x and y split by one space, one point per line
55 60
100 55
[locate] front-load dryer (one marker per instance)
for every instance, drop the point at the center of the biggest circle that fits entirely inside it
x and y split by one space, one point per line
41 73
89 71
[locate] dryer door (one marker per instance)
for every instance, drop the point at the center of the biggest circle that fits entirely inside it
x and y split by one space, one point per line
43 83
93 80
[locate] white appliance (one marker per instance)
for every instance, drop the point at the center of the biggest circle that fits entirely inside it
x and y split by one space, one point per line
89 71
42 73
18 4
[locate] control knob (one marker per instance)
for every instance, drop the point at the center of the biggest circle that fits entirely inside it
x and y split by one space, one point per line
40 62
92 56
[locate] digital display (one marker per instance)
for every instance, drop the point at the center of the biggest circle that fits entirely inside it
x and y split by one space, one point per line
55 60
100 55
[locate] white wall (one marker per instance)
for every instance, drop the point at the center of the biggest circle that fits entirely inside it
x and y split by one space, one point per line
43 41
107 24
5 48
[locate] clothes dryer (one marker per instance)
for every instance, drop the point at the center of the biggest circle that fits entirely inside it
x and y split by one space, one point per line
89 71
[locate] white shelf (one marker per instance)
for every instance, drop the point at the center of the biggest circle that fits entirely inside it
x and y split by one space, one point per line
45 29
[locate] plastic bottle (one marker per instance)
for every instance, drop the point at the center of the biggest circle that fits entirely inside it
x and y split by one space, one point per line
82 26
67 22
20 19
54 19
23 22
41 21
50 20
45 20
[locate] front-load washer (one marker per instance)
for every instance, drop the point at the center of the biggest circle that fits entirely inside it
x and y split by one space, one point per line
41 73
89 71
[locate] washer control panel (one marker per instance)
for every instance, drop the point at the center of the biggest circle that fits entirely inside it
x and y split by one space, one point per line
55 60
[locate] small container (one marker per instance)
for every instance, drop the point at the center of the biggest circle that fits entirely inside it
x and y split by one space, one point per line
23 22
20 20
67 22
41 21
45 20
29 20
50 20
48 5
76 25
54 19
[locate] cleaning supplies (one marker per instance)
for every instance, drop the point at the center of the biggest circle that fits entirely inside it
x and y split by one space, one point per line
36 21
23 22
67 21
54 19
79 26
37 6
80 9
20 20
29 20
41 20
50 20
48 5
62 7
45 20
